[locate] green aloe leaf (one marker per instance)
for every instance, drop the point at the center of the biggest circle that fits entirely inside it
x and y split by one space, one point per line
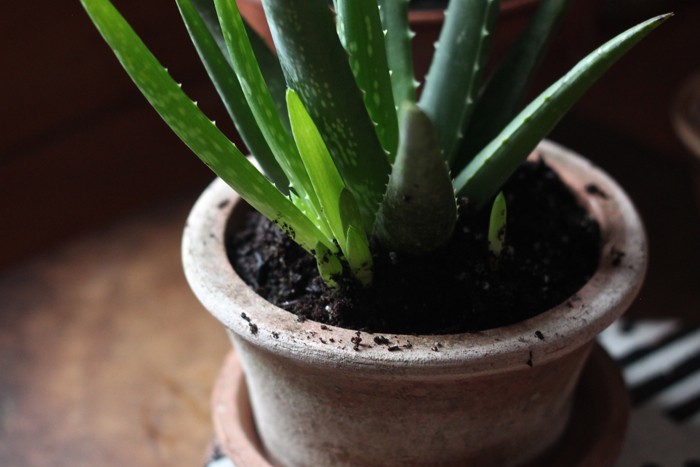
272 72
456 71
360 31
269 65
484 176
419 211
329 266
349 212
229 89
195 129
359 256
325 179
337 204
316 67
394 16
497 225
503 94
260 101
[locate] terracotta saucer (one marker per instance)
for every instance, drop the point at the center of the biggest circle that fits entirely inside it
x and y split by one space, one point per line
593 439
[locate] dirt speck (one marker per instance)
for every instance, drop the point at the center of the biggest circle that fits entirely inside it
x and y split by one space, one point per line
595 190
356 341
381 340
617 256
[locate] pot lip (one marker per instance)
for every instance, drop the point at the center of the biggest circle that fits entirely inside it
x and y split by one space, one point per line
535 341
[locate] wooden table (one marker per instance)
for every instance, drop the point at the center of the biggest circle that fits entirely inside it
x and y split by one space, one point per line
106 358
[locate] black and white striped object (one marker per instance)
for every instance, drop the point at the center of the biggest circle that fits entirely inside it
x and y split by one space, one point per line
660 362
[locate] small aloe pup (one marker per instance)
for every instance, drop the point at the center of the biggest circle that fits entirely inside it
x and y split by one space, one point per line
347 150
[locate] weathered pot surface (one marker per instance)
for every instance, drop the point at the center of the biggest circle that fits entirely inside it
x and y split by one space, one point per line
497 397
593 437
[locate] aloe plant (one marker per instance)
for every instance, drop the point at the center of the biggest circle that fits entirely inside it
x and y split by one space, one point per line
347 150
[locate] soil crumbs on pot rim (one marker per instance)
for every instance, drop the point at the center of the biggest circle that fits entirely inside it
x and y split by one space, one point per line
552 249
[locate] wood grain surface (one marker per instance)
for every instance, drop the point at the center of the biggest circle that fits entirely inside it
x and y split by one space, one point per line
106 358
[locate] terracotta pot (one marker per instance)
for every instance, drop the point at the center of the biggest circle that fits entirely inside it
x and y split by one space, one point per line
593 437
497 397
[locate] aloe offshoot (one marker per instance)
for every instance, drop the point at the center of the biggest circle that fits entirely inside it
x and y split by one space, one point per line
497 228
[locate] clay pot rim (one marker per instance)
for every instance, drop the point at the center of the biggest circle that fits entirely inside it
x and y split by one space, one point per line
564 327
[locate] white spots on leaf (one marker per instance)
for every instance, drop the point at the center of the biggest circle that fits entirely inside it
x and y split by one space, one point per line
461 37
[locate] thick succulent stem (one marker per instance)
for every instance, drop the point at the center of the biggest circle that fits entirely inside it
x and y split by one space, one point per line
419 211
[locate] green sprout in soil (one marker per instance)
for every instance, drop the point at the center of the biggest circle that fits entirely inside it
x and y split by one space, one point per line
497 228
349 153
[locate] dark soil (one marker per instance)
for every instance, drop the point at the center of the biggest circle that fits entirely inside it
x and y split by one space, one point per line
552 250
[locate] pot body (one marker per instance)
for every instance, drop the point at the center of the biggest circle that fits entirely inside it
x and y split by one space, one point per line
322 395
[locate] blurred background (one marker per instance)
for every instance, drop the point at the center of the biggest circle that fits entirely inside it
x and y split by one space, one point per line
94 191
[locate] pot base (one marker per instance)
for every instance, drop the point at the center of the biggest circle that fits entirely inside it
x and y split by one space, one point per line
593 438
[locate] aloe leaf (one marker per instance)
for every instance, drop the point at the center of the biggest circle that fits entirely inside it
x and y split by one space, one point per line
503 94
328 264
497 225
360 31
272 72
419 212
269 65
324 176
337 203
316 67
455 73
398 35
260 101
195 129
230 91
349 212
484 175
359 256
